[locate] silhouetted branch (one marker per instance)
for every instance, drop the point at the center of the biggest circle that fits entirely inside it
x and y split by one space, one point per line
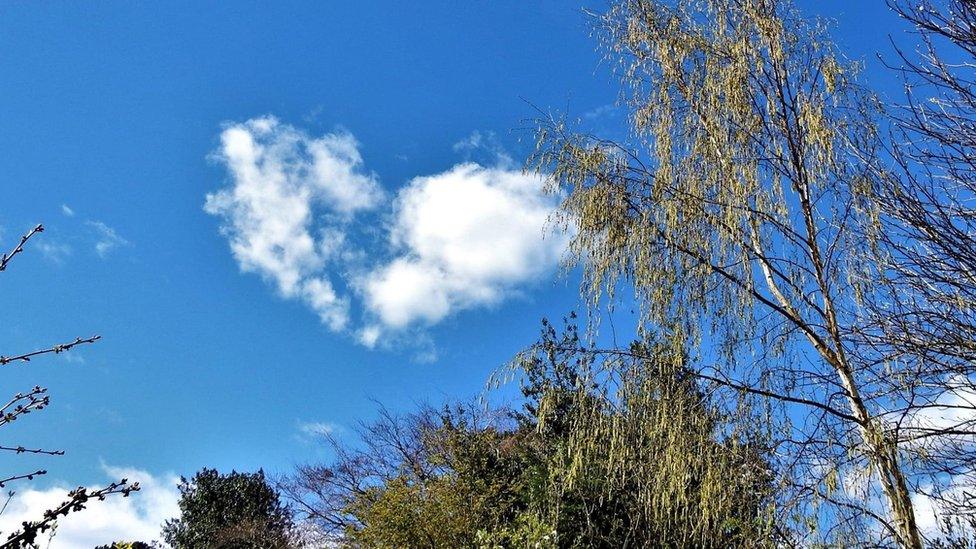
57 349
28 476
20 246
77 499
36 399
22 450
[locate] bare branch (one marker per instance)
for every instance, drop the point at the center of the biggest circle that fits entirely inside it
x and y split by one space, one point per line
27 476
20 247
57 349
77 499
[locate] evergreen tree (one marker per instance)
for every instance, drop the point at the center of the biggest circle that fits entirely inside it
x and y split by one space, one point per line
232 511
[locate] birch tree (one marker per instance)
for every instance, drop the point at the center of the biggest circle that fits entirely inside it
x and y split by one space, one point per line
737 212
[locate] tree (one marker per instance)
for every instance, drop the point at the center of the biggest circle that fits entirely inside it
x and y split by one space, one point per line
636 453
431 478
232 511
738 213
35 400
924 319
464 476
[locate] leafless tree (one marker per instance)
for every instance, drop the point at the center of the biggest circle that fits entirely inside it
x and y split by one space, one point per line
34 400
922 319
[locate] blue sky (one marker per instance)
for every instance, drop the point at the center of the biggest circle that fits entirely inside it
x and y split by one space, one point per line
113 131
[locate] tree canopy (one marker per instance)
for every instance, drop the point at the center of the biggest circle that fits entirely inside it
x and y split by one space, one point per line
231 511
463 476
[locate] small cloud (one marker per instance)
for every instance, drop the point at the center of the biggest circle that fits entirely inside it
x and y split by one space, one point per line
110 415
55 252
72 358
66 210
474 147
107 239
315 429
313 115
369 335
600 112
425 356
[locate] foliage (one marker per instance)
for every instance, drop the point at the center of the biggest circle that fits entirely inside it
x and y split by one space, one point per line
741 213
433 478
636 453
232 511
465 477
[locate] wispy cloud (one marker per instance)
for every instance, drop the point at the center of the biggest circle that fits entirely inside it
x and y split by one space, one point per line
107 239
602 111
72 358
66 210
485 148
54 251
311 430
280 179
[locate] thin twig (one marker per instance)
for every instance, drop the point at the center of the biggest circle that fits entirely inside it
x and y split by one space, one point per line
28 476
22 450
20 246
57 349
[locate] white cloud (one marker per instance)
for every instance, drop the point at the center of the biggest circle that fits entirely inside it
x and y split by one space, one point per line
406 291
107 239
285 184
468 237
66 210
138 517
370 335
953 409
317 428
931 511
946 423
292 211
609 109
72 358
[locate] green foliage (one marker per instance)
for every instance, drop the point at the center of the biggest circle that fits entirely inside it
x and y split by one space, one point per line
535 477
470 483
128 545
738 213
635 454
233 511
